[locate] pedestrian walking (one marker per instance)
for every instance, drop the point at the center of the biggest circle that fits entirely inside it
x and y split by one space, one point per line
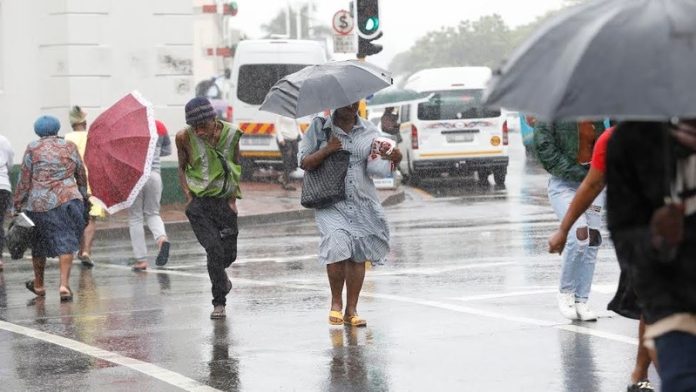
625 301
651 210
288 137
51 191
209 174
353 231
565 151
6 163
78 122
146 208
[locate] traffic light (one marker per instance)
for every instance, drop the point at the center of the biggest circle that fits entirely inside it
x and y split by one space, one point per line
368 27
368 18
367 48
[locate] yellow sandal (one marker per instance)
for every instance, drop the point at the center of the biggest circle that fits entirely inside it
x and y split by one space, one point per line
355 321
335 317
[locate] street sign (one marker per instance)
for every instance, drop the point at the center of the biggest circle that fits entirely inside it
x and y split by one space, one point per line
343 22
344 43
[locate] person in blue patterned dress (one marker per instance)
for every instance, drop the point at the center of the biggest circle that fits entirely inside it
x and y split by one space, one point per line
353 231
51 191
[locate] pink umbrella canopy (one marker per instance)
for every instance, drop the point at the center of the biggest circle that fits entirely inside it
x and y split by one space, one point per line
121 144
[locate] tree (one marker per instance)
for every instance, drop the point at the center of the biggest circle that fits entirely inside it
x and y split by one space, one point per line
486 41
481 42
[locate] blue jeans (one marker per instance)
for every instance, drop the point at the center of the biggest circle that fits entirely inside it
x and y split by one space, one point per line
579 256
676 354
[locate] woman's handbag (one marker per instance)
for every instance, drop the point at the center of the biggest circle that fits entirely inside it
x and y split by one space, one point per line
325 185
19 236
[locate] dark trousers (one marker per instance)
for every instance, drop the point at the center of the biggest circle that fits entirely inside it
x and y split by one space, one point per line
5 200
289 151
676 355
215 226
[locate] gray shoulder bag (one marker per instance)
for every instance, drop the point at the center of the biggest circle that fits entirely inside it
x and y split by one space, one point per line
325 185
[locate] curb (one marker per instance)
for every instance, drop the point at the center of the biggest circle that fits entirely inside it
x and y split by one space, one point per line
274 217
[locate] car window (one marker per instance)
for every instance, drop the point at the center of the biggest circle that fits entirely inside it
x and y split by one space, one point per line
454 105
255 80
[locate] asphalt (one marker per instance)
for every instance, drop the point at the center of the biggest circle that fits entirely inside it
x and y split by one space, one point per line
466 303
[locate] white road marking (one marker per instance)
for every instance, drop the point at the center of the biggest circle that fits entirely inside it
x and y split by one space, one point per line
507 294
148 369
424 302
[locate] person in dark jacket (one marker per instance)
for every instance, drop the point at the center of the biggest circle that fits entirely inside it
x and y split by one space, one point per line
565 151
651 210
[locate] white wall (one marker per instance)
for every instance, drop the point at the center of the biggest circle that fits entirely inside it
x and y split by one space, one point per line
59 53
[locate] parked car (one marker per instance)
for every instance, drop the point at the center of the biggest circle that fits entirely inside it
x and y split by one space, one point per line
258 65
453 132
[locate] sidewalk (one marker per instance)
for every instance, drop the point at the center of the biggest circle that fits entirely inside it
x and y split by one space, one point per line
262 202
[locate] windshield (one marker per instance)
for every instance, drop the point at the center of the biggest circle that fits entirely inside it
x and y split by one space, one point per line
455 105
255 80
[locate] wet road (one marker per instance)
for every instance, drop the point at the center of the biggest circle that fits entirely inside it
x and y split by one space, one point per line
467 302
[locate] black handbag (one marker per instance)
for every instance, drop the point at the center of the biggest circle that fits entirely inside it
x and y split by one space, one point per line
325 185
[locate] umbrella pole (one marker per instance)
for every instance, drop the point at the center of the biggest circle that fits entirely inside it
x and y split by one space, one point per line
667 153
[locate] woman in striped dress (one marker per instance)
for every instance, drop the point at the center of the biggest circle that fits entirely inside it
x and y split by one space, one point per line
353 231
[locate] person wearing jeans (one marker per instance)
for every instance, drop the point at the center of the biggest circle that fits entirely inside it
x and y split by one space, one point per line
146 208
565 151
581 250
6 162
209 173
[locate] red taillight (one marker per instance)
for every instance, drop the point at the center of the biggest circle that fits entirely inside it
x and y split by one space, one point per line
506 130
414 137
229 113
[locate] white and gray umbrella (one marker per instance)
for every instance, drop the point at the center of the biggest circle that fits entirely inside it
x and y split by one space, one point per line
326 86
624 59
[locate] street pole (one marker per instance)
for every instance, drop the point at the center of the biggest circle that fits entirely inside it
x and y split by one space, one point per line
298 15
288 30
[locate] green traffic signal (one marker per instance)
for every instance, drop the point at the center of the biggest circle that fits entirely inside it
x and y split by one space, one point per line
372 24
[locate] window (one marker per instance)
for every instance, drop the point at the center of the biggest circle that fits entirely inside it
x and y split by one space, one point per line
255 80
455 105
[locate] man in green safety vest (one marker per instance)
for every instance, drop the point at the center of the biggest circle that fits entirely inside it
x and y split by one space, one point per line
209 174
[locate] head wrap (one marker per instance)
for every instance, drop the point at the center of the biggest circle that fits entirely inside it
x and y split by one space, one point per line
46 126
77 115
199 111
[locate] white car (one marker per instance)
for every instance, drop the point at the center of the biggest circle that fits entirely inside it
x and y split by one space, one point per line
453 132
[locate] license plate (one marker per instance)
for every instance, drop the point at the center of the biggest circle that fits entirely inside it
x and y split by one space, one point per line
256 141
460 138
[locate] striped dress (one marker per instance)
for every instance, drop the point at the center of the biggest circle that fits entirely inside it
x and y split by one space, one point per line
355 228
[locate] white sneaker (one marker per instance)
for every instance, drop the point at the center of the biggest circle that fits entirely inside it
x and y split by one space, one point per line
566 304
584 312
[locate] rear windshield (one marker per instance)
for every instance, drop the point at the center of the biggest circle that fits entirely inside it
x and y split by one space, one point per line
255 80
453 105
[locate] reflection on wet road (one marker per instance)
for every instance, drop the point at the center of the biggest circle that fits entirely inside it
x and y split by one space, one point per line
467 302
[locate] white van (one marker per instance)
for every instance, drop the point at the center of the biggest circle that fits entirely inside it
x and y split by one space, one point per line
452 132
258 65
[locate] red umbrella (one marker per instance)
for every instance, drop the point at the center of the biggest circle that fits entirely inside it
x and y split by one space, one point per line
121 144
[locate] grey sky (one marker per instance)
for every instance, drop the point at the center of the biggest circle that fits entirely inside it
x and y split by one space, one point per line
402 21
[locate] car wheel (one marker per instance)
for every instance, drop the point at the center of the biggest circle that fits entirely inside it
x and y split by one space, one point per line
483 176
248 168
499 175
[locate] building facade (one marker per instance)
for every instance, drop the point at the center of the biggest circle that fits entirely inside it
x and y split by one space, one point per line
58 53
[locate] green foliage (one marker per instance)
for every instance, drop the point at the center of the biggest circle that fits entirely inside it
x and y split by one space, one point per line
486 41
